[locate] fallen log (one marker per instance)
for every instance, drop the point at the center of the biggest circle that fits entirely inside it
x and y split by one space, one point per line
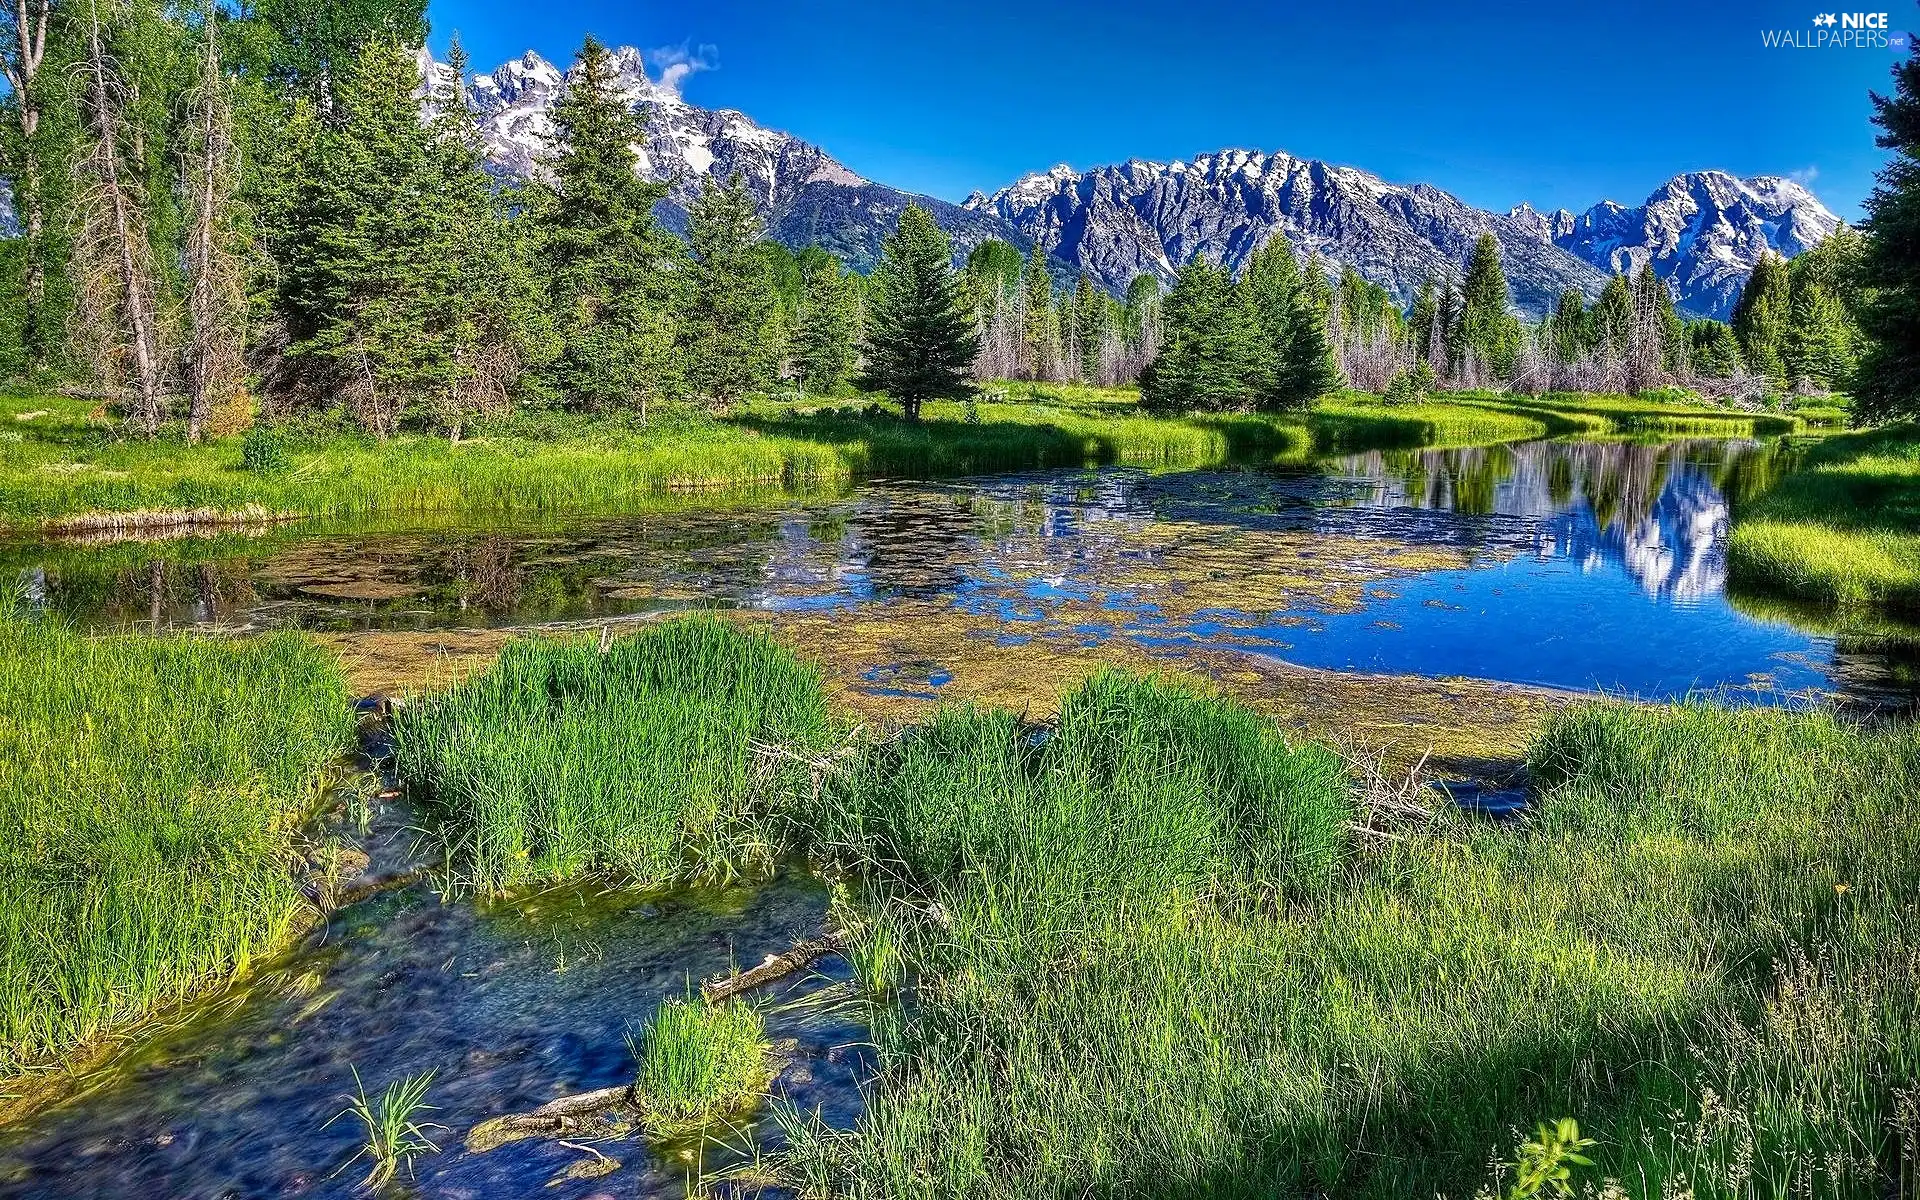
777 966
565 1115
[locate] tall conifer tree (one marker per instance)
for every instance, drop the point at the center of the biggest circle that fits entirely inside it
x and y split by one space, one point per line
732 307
612 271
920 338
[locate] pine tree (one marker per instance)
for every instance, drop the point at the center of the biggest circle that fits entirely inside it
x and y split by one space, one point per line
1090 327
1487 329
1272 284
825 333
1611 319
1568 328
1887 383
1209 345
1309 367
1760 317
365 292
731 303
492 318
1041 337
920 338
612 271
1713 350
1817 348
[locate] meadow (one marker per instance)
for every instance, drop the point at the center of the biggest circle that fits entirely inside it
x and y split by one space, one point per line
1842 529
1156 947
151 791
67 467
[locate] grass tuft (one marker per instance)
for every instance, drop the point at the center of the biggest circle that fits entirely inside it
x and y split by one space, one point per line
699 1063
647 761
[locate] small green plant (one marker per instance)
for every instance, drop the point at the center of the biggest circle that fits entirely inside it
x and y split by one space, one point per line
698 1062
1544 1166
265 451
394 1138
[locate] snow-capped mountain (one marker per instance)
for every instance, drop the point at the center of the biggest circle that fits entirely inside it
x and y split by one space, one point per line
805 195
1116 222
1703 232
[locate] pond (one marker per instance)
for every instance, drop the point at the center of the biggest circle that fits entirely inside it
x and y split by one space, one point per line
1595 565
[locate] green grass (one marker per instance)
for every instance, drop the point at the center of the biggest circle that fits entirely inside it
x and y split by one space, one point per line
647 762
64 462
1843 529
1354 421
1702 945
1571 413
394 1137
150 789
699 1063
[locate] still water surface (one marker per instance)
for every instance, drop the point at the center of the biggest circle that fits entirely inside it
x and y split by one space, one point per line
1589 565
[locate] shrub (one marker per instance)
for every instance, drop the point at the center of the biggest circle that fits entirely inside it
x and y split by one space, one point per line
266 451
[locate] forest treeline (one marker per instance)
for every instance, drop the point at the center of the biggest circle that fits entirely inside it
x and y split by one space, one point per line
272 211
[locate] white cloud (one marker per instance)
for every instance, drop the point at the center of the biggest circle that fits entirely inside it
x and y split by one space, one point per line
1805 175
675 63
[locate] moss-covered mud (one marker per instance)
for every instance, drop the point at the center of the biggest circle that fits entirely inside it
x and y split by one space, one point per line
894 666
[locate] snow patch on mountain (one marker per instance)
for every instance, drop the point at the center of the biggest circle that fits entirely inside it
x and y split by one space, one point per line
1702 232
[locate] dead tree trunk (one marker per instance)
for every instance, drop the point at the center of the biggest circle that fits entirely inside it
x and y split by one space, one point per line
214 351
20 63
117 221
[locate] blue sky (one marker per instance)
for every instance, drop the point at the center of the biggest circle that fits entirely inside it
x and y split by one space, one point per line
1556 104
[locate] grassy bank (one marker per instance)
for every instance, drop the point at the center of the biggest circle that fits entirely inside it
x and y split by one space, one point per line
1843 529
1702 945
1568 413
1157 948
149 793
65 464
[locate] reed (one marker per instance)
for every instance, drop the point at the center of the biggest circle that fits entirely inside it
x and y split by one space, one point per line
699 1063
1699 943
649 759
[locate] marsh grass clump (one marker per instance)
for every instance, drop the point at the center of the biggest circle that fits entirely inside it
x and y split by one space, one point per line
698 1063
651 760
150 789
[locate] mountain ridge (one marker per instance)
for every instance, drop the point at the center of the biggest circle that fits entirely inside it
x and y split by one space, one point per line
1702 231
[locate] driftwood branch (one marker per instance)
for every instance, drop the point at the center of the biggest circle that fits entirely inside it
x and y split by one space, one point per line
777 966
563 1116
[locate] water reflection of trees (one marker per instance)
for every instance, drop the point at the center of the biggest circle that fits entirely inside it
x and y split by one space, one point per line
1660 510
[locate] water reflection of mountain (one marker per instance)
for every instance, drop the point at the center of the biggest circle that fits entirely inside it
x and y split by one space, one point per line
1659 511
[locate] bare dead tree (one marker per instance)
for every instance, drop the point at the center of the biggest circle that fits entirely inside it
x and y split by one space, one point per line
117 323
215 367
23 48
